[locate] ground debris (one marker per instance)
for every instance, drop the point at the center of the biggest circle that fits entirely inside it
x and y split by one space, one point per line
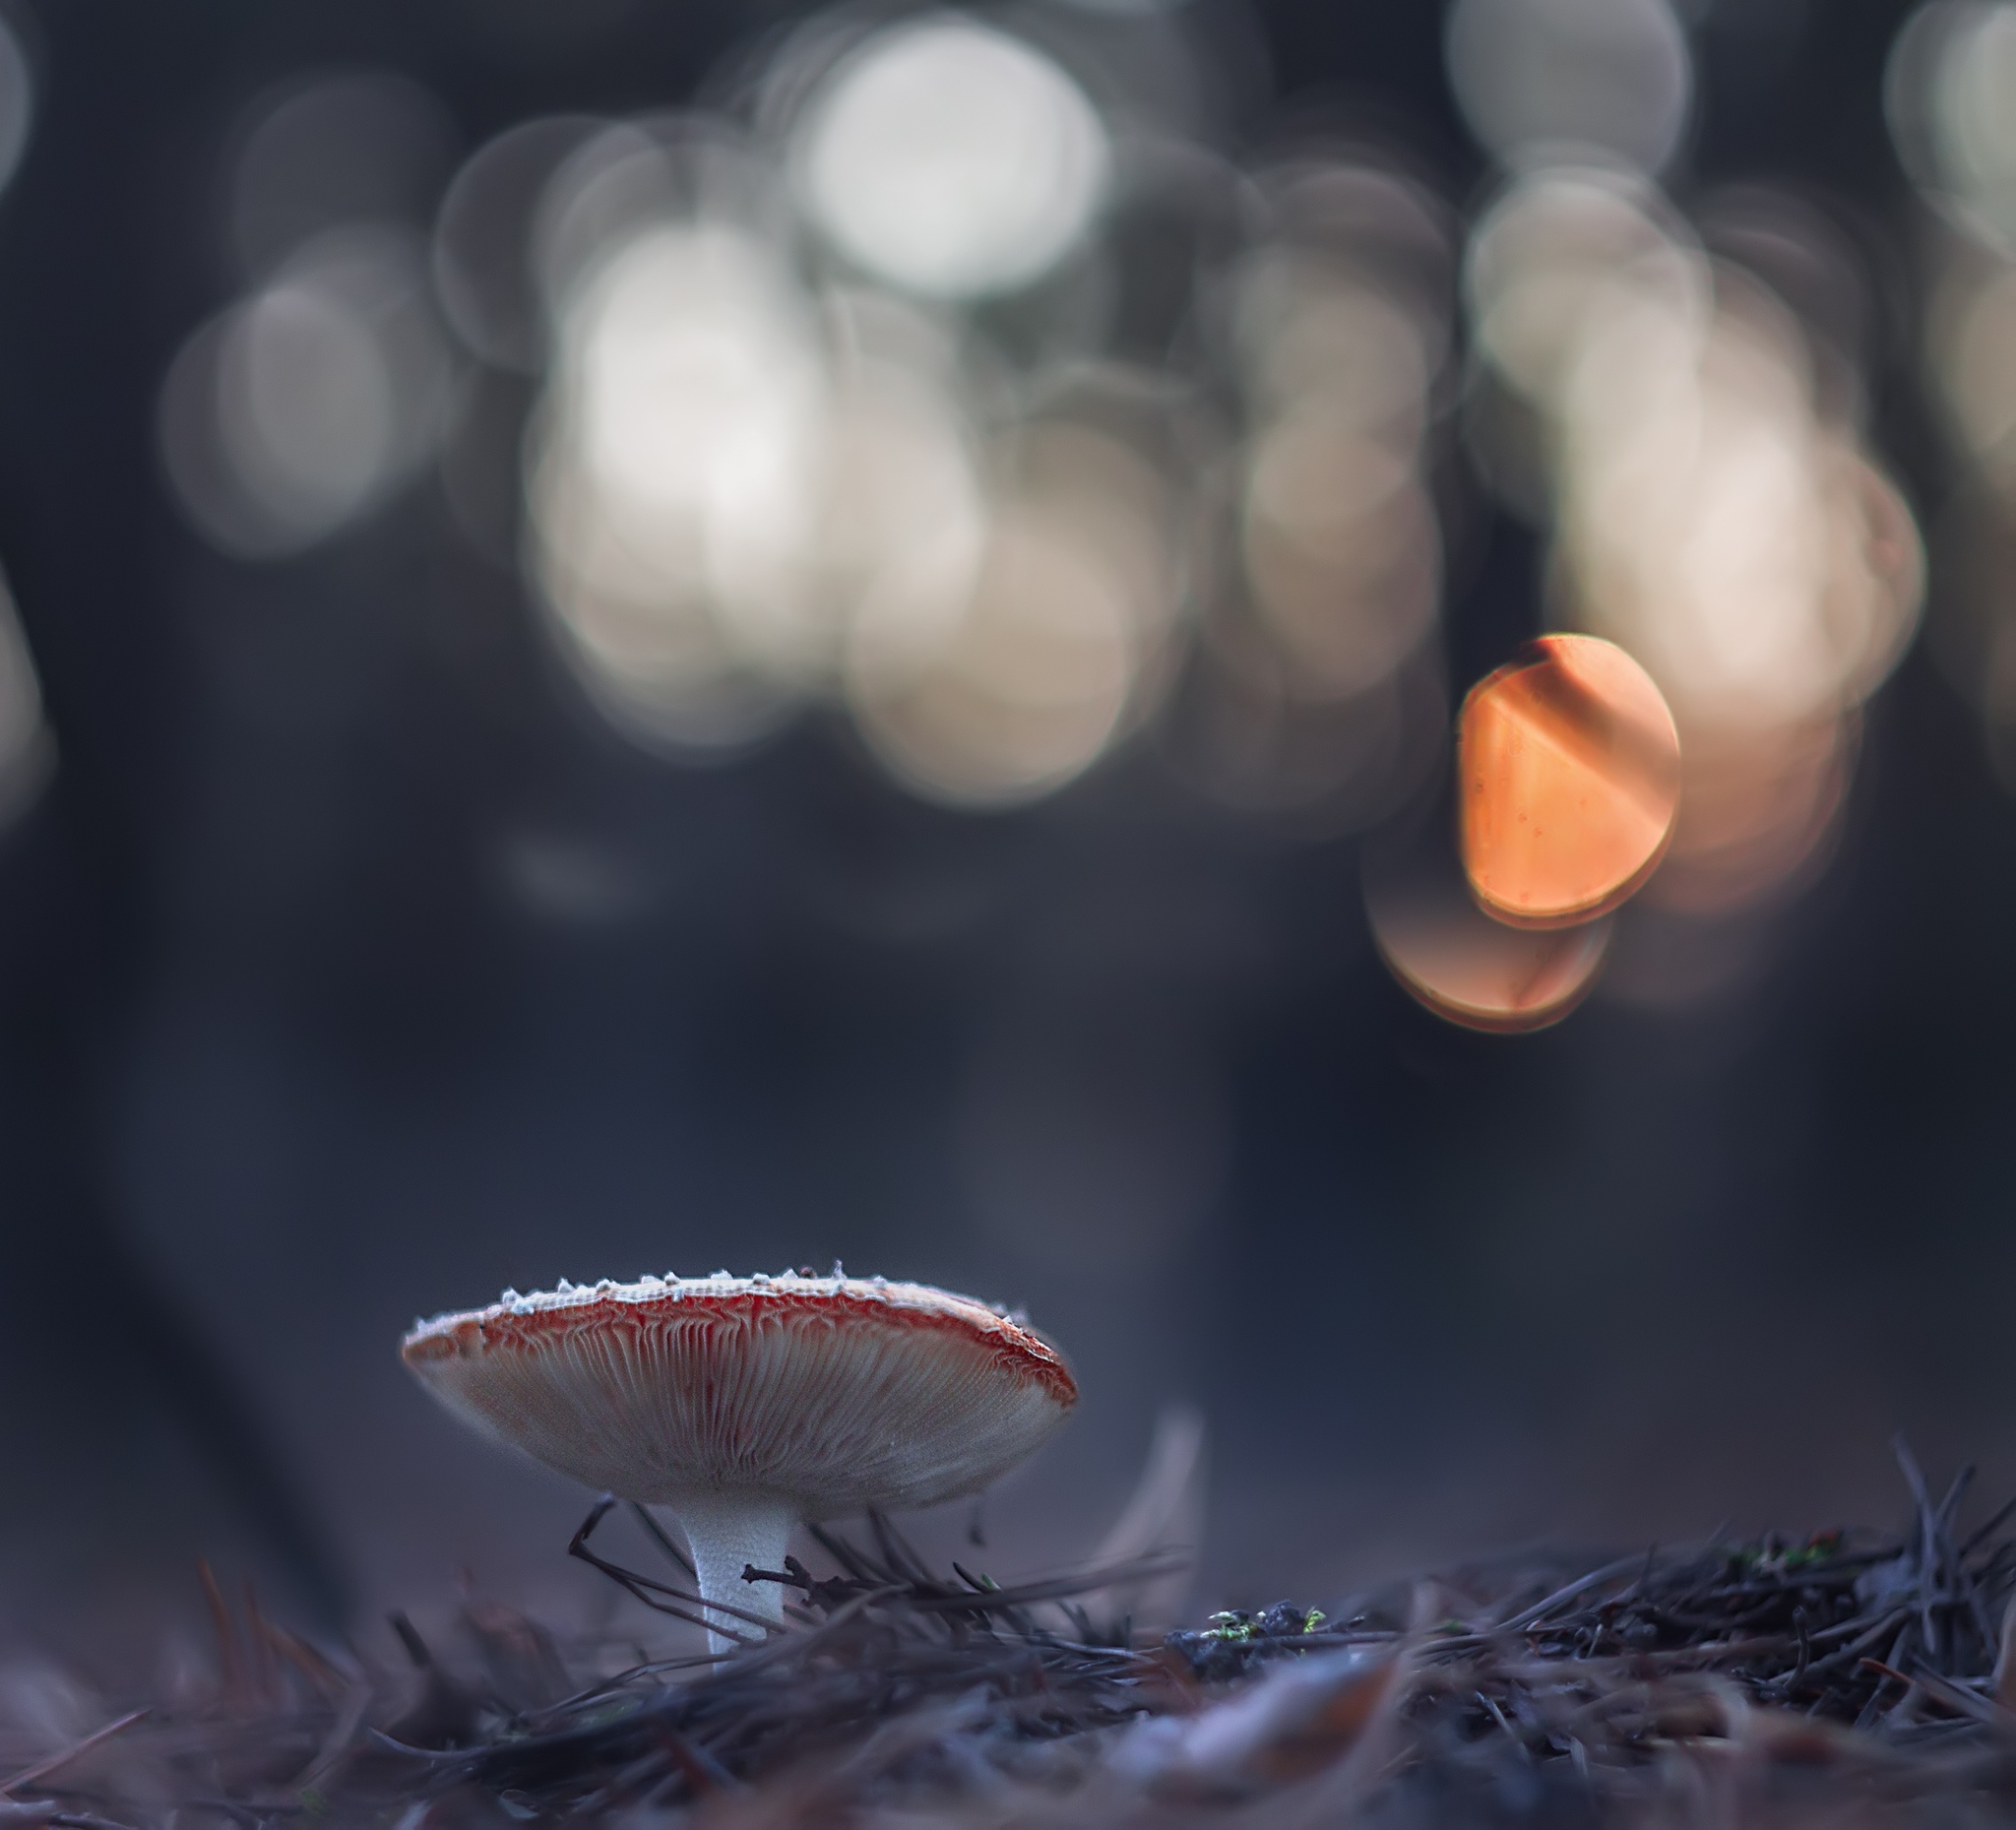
1841 1677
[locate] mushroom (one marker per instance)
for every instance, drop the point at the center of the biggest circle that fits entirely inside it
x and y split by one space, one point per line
749 1405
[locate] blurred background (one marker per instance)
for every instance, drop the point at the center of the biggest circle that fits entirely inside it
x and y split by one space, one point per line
652 636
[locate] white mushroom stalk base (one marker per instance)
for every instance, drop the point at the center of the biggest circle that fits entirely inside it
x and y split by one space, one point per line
726 1533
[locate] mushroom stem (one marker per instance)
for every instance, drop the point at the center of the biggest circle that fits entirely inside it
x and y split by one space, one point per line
725 1534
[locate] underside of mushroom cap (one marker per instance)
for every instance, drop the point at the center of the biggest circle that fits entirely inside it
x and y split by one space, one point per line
832 1394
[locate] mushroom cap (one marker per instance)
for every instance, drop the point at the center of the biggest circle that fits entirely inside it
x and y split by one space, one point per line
833 1394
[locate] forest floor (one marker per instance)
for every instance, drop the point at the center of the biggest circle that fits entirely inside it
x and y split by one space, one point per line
1839 1678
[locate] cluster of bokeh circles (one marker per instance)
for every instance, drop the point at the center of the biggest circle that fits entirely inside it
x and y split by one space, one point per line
957 374
1951 98
941 370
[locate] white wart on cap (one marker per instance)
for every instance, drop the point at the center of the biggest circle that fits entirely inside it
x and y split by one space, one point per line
749 1405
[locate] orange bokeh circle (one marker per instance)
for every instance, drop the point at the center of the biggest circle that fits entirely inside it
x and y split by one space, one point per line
1568 771
1459 961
